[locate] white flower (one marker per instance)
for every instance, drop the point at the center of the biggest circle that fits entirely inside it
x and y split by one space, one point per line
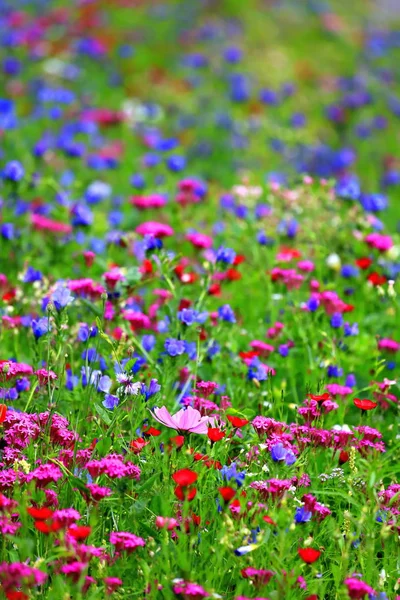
333 262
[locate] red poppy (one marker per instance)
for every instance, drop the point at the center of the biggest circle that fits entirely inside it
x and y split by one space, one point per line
146 268
40 514
46 528
237 421
343 457
249 354
185 477
214 434
151 431
183 493
363 263
177 441
137 445
376 279
80 532
309 555
320 398
227 493
365 404
3 413
268 520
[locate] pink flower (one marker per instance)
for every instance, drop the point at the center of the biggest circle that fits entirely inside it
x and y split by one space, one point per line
42 223
184 420
380 242
112 583
166 523
123 540
44 376
389 345
190 591
154 228
199 240
357 588
150 201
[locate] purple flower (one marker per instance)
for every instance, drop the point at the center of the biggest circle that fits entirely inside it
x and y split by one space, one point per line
174 347
61 297
337 320
13 171
225 313
110 401
225 255
278 452
40 327
302 515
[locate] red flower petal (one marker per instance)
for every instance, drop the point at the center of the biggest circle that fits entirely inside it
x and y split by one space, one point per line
185 477
365 404
309 555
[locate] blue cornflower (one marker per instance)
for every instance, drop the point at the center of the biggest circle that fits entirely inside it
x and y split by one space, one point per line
190 316
225 255
138 181
104 384
176 163
351 380
97 191
302 515
153 388
40 327
82 216
232 55
351 329
148 342
337 320
225 313
348 271
151 242
312 304
334 371
191 350
61 297
231 472
22 384
278 452
110 401
32 275
283 350
257 371
174 347
7 231
13 171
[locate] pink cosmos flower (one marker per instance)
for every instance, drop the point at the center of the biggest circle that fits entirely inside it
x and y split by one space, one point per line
184 420
154 228
357 588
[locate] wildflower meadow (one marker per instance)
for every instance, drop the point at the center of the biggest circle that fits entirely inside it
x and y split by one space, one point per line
199 299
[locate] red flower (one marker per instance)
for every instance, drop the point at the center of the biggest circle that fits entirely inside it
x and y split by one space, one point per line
237 421
214 289
320 398
40 514
15 595
3 412
185 477
343 457
227 493
312 597
47 528
183 493
239 258
268 519
151 431
363 263
365 404
137 445
80 532
233 275
309 555
214 434
177 441
376 279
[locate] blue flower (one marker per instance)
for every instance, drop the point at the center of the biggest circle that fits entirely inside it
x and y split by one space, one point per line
334 371
110 401
7 231
231 472
148 342
61 297
302 515
348 271
40 327
153 388
312 304
337 320
278 452
225 313
13 171
97 191
176 163
174 347
351 330
225 255
32 275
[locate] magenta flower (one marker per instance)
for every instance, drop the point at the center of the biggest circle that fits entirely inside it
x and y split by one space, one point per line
188 419
357 588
